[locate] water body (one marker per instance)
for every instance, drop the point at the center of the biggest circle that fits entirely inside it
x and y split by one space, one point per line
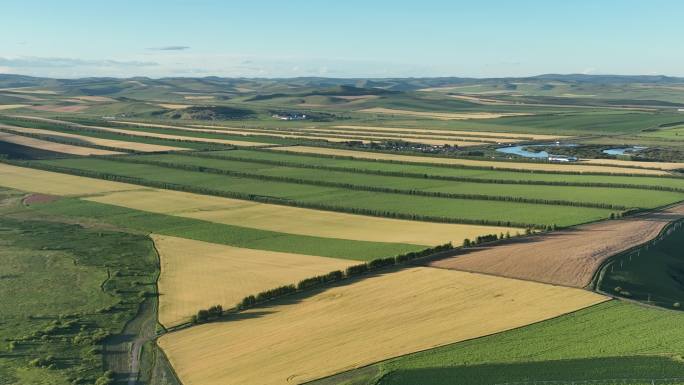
622 151
520 150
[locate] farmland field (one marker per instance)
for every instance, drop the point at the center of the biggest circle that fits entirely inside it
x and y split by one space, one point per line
467 162
565 257
335 198
336 330
309 222
196 275
619 197
336 231
50 146
609 340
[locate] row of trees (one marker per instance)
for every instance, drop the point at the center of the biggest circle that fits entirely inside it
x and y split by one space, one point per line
503 161
427 176
336 276
433 194
266 199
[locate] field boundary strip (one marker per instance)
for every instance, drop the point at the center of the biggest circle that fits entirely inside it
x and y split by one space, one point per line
223 156
361 187
266 199
312 152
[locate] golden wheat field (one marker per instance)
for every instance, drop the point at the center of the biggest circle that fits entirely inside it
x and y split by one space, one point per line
196 275
414 136
573 167
366 321
142 147
148 134
46 182
442 115
635 163
52 146
308 221
232 130
12 106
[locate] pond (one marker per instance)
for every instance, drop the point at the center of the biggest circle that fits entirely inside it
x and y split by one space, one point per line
520 150
623 150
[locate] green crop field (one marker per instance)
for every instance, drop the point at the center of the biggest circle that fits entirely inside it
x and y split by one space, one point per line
610 340
80 276
653 274
347 199
445 171
221 233
603 195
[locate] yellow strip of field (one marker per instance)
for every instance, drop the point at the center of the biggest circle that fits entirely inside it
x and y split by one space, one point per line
442 115
51 146
570 167
353 325
11 106
345 137
142 147
616 162
294 220
457 132
413 137
280 134
231 130
196 275
149 134
38 181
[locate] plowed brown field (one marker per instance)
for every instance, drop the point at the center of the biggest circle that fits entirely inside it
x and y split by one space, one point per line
568 257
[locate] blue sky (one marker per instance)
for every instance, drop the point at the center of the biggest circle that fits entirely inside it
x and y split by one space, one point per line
349 38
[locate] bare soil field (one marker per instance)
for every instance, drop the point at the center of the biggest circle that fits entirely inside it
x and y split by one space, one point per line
51 146
362 322
326 224
567 257
573 167
196 275
32 180
442 115
143 147
458 132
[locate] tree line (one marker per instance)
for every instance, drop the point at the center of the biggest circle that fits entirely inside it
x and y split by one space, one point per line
462 166
254 300
349 186
268 199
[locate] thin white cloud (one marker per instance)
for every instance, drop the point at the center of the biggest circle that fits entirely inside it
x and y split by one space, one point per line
170 48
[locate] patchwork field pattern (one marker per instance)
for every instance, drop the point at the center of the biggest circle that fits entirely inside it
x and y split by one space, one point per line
567 257
360 323
469 162
196 275
52 146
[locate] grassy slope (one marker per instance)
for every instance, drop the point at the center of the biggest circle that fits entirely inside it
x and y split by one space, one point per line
623 196
655 274
626 338
223 234
57 299
345 198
